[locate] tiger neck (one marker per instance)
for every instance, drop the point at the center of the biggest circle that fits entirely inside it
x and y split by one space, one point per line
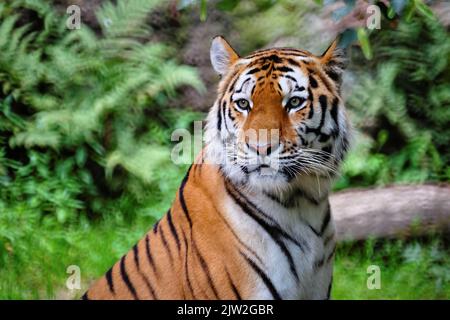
312 189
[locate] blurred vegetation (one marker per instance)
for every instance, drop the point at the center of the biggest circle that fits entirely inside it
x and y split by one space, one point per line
402 104
86 117
412 270
84 129
83 116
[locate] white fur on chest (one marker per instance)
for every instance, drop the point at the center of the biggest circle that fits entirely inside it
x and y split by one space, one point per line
310 260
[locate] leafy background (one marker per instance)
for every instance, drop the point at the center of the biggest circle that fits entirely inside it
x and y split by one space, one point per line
86 117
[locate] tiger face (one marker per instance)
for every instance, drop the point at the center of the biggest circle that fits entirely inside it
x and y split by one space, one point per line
278 116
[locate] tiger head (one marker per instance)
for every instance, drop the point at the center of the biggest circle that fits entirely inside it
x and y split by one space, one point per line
278 116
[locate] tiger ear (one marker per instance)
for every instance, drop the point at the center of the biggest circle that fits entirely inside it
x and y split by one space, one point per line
334 61
222 55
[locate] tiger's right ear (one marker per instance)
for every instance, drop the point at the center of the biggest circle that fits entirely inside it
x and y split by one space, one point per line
222 55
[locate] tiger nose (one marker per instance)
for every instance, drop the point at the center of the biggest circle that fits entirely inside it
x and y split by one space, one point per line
262 149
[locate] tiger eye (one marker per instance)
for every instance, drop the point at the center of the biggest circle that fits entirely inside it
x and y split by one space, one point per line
294 102
243 104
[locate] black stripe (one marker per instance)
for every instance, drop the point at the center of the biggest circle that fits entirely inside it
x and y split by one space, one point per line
224 108
172 229
155 226
149 286
166 245
325 223
283 51
331 254
290 78
302 193
333 74
323 138
292 199
327 153
275 58
237 237
323 103
295 63
334 111
242 85
188 280
325 82
329 288
219 118
136 256
85 296
273 231
149 254
326 220
233 84
284 69
147 283
253 90
109 279
254 70
302 139
263 276
233 287
279 87
313 82
311 105
314 230
181 197
205 269
274 225
123 273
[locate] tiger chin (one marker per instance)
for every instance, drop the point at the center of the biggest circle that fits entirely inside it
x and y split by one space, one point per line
251 219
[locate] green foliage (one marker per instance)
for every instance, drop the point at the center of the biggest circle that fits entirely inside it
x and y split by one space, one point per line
84 138
409 270
36 249
402 107
82 113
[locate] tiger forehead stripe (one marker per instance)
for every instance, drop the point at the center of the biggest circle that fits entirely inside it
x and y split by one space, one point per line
290 51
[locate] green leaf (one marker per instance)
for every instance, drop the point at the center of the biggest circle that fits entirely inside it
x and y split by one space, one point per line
227 5
363 39
391 12
203 10
423 9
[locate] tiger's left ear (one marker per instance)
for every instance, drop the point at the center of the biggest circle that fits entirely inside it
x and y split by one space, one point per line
222 55
333 61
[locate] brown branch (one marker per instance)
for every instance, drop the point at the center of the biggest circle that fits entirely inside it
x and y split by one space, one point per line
391 211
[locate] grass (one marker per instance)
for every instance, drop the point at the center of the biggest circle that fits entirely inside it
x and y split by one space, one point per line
411 270
416 269
35 252
35 249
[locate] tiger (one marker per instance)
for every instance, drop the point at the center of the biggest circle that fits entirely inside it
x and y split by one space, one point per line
251 218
